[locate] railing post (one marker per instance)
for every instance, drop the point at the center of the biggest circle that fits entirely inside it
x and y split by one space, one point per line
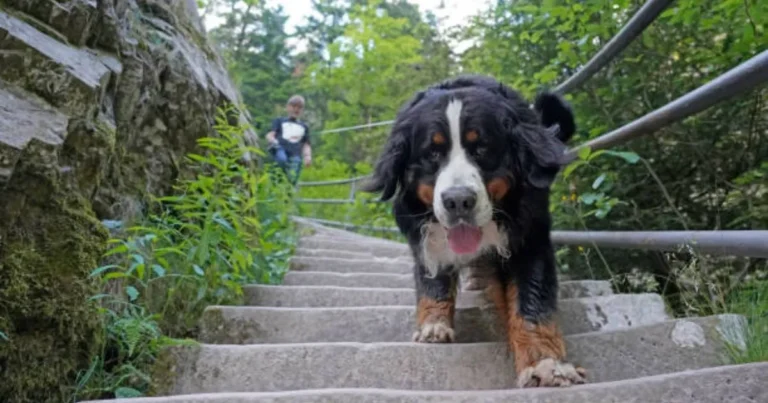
352 190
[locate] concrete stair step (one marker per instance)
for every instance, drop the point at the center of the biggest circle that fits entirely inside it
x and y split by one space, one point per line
342 254
335 296
370 265
666 347
366 280
367 324
318 229
320 278
731 383
377 248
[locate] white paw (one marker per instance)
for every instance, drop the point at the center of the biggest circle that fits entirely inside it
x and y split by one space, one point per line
549 372
437 332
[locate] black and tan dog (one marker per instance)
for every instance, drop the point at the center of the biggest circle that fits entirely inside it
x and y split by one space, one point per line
469 164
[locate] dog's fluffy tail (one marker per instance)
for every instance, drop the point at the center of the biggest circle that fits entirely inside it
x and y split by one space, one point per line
554 110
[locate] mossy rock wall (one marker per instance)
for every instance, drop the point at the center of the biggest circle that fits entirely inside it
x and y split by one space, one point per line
99 103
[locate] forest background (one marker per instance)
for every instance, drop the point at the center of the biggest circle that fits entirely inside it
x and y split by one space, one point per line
360 60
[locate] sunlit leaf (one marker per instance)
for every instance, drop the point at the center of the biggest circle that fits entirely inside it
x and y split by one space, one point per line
102 269
628 156
132 292
126 393
596 184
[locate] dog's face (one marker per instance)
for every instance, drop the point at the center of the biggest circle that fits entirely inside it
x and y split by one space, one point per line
465 148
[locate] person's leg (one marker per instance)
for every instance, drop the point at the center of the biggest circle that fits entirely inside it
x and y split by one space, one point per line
281 157
295 168
283 162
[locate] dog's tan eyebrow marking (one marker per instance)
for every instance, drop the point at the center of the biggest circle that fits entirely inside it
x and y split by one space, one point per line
438 138
498 187
471 136
426 193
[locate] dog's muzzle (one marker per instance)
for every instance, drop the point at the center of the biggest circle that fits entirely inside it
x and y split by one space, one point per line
459 203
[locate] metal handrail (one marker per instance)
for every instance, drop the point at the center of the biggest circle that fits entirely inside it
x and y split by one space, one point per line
741 79
750 243
334 181
365 126
336 201
634 27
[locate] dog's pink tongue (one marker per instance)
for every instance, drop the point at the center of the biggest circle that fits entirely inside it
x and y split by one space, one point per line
464 238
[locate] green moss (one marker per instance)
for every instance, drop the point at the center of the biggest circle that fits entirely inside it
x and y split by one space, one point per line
171 362
212 323
50 244
88 147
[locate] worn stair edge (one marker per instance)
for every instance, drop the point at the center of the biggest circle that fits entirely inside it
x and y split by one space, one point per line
723 384
343 254
369 265
375 248
366 280
327 232
666 347
319 278
345 235
367 324
324 230
335 296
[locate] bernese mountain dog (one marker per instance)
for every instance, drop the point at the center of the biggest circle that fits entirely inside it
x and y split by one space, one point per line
468 165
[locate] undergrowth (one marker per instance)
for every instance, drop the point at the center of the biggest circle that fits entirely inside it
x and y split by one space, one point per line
712 285
227 226
699 285
693 284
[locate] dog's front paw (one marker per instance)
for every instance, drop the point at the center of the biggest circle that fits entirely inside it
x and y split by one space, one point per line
434 332
549 372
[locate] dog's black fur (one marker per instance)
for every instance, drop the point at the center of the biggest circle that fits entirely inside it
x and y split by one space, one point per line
523 145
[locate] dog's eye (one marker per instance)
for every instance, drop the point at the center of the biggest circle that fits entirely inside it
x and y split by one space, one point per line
480 151
434 155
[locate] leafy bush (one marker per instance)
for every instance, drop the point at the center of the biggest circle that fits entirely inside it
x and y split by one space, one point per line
227 226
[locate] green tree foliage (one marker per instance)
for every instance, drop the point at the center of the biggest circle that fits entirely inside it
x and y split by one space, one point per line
370 68
254 42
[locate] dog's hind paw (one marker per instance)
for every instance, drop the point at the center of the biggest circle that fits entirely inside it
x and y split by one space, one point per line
549 372
437 332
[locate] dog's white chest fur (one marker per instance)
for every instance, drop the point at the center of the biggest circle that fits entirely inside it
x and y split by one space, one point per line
436 252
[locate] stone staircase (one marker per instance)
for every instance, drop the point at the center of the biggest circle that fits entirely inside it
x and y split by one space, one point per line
339 330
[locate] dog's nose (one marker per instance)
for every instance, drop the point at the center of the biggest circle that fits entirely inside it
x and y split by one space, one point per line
459 201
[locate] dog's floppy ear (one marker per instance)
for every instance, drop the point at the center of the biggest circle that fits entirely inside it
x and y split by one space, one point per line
390 167
541 146
542 154
556 114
